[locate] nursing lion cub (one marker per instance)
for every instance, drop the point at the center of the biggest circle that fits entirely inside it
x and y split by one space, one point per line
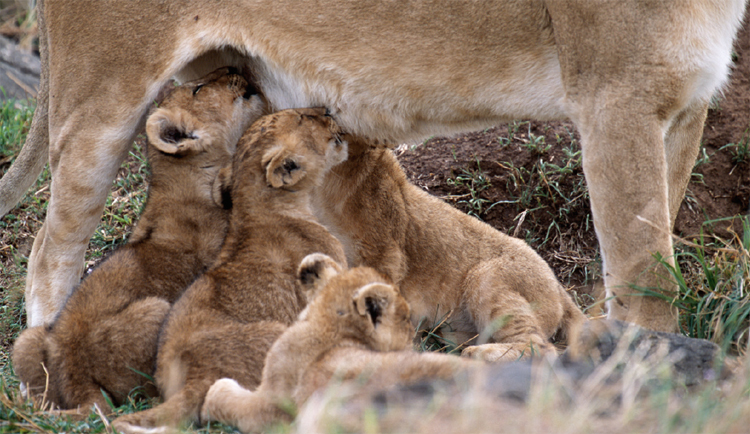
224 324
444 261
356 326
106 334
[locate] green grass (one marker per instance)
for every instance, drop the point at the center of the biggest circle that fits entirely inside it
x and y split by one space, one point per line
124 204
15 120
714 297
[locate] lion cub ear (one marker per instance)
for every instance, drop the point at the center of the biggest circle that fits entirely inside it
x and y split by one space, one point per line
171 133
221 189
315 271
373 300
283 169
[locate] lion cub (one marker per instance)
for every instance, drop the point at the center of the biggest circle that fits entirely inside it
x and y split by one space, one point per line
444 261
224 324
106 334
355 326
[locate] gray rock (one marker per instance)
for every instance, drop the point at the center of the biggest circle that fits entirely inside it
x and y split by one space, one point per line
692 361
19 71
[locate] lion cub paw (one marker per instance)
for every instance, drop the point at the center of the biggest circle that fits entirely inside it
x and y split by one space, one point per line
223 395
129 428
507 352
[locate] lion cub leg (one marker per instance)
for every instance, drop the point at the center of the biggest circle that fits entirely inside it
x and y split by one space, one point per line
515 308
130 340
227 401
513 332
194 355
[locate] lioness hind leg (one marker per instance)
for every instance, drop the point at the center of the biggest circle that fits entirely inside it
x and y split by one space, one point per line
33 155
83 163
682 144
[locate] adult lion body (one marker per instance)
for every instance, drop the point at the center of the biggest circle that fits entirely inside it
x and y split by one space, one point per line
635 77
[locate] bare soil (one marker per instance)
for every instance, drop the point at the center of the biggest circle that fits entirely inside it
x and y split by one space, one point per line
560 229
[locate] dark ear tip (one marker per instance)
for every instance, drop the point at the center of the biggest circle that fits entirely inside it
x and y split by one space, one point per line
374 309
173 135
310 273
290 165
226 198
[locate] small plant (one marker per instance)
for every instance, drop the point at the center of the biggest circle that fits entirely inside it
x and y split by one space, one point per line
433 338
476 182
549 197
512 131
741 150
535 144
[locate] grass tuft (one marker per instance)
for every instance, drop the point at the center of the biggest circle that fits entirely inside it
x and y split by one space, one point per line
741 150
476 182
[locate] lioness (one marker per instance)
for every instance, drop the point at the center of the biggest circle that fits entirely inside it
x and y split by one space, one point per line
226 321
356 326
393 71
443 260
106 335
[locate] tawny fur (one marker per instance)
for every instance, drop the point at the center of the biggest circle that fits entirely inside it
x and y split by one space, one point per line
224 324
356 327
105 337
444 261
394 70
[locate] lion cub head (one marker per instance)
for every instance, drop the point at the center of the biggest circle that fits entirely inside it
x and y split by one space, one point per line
287 151
359 303
197 115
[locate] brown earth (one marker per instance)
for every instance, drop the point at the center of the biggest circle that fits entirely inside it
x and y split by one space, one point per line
556 220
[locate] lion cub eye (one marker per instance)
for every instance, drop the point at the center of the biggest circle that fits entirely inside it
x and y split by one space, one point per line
340 312
197 88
